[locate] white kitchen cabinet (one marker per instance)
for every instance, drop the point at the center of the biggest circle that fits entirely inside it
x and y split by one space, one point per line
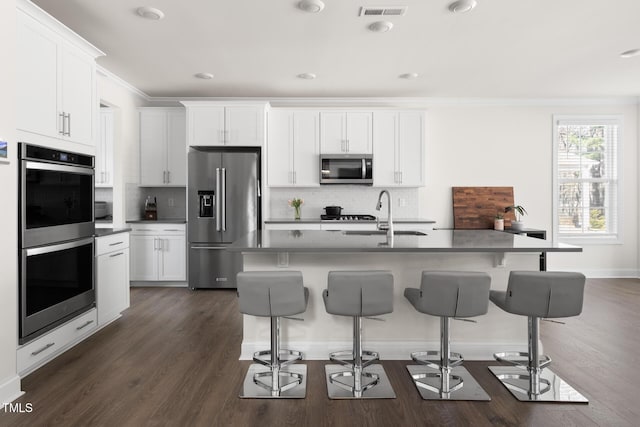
215 124
56 81
338 225
346 132
293 148
293 225
104 150
112 276
163 150
398 152
158 252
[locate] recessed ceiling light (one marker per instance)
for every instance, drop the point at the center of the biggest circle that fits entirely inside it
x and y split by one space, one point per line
409 76
150 13
204 76
381 26
311 6
306 76
462 6
630 53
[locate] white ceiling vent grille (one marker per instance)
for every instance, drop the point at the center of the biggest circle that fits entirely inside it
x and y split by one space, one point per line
383 11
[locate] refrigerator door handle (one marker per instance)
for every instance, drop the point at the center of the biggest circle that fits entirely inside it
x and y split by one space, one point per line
224 199
218 205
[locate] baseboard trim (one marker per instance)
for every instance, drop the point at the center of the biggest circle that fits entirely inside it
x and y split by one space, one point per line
622 273
10 390
396 350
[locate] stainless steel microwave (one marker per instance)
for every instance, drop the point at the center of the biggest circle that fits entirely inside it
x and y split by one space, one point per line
346 169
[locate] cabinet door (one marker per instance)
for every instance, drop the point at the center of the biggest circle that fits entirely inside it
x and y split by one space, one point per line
358 134
172 263
280 149
385 136
410 151
244 126
333 132
176 148
112 287
144 257
36 78
153 148
306 149
205 126
104 151
78 100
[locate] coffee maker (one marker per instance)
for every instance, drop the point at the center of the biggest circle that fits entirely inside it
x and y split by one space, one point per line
151 209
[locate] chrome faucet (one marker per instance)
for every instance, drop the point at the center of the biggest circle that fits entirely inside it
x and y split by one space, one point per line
389 224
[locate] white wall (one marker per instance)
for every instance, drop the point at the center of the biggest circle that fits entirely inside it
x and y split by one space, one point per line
9 381
511 145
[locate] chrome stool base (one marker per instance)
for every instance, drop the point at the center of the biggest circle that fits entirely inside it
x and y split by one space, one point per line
375 384
551 387
463 386
292 382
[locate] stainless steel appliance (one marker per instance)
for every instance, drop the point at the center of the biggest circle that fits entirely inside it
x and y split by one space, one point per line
223 205
55 244
151 209
349 217
346 169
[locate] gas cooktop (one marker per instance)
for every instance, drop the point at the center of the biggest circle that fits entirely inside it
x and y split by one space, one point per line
349 217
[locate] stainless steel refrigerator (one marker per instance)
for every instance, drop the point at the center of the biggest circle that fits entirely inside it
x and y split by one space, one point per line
223 205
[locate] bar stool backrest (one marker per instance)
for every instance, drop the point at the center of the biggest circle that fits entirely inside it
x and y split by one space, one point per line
359 293
271 293
454 293
545 294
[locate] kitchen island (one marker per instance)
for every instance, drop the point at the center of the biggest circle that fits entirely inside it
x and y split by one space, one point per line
315 253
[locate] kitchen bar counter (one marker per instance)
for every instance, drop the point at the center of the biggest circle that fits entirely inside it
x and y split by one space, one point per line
360 221
316 253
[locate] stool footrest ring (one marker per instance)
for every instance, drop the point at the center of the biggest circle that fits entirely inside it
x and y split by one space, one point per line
333 378
457 385
346 358
509 357
264 357
297 379
426 358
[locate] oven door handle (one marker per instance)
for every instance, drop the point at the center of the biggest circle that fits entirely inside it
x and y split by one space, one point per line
58 168
58 247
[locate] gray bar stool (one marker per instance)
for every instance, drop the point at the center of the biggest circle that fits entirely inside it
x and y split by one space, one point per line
448 294
358 294
273 294
537 294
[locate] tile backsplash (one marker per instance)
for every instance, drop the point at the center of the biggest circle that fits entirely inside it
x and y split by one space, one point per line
136 197
353 199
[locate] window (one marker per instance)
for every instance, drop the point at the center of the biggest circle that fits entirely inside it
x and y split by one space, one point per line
587 192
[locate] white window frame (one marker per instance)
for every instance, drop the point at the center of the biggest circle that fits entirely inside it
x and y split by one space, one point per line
614 237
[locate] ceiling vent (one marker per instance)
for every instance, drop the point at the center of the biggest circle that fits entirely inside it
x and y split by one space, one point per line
383 11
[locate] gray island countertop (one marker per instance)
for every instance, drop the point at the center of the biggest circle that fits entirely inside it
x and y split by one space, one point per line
433 241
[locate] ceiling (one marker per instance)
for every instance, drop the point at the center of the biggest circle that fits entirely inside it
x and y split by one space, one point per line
256 48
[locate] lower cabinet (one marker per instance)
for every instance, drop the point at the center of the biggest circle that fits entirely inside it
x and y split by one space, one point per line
39 351
158 252
112 276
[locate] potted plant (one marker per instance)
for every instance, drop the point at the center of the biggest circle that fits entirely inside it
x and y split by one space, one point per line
296 204
519 212
498 221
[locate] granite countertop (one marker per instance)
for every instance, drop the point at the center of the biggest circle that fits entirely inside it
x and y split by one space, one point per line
434 241
101 232
158 221
325 221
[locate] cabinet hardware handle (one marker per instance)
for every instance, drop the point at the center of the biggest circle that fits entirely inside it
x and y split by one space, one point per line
61 115
347 145
400 177
69 124
168 177
155 244
37 352
85 325
115 244
115 255
171 229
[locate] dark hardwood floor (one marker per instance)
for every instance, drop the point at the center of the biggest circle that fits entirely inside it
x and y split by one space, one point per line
172 359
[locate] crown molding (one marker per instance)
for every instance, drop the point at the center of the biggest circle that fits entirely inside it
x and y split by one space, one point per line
123 83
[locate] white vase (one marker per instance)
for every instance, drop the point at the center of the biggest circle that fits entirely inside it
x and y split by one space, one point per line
517 225
498 224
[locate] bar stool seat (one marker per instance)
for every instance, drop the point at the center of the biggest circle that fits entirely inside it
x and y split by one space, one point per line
447 294
273 294
538 294
358 294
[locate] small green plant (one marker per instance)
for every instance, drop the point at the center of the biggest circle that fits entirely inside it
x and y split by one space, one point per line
518 210
499 215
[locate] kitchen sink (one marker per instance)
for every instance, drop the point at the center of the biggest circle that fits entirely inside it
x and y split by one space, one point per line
383 232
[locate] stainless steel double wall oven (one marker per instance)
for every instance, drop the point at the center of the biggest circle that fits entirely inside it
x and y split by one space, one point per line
56 243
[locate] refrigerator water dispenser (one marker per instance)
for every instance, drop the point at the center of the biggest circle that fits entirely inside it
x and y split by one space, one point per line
207 204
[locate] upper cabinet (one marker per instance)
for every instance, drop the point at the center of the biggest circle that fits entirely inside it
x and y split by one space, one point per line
293 148
104 150
163 150
399 153
346 132
56 81
215 124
